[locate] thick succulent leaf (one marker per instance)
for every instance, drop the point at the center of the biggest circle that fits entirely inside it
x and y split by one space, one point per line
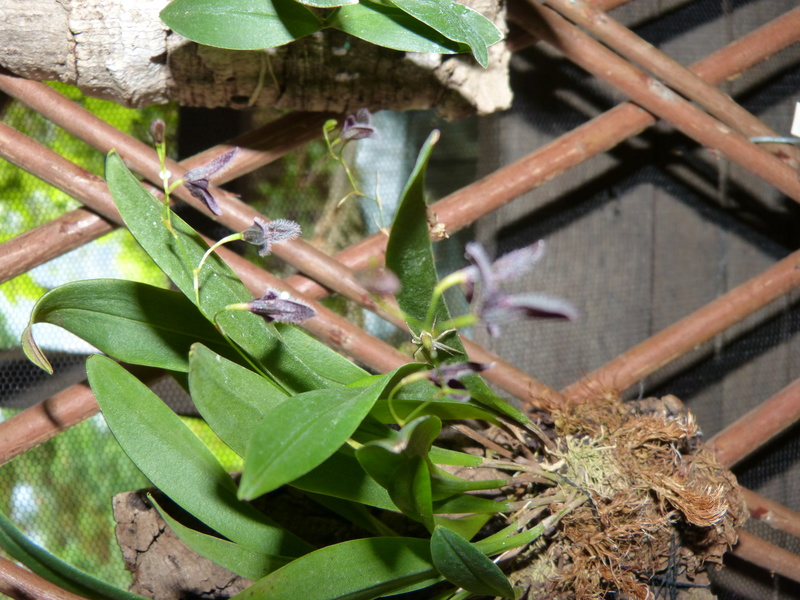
234 557
456 22
133 322
388 26
356 570
301 434
55 570
464 565
178 254
232 399
178 463
240 24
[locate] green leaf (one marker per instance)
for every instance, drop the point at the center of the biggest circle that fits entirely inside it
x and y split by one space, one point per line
341 476
356 570
133 322
391 27
465 566
327 3
320 358
456 22
55 570
177 255
240 24
234 557
402 466
409 253
300 434
178 463
443 408
232 399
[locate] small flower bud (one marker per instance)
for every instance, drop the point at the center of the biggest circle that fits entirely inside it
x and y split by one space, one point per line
157 131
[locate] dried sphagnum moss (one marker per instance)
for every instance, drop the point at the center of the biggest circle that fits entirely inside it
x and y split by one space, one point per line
655 498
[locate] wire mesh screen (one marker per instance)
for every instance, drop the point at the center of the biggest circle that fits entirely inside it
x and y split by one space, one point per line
653 230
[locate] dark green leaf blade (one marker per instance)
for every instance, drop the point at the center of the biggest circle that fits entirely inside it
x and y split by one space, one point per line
301 434
320 358
391 27
234 557
240 24
364 569
178 463
465 566
327 3
133 322
456 22
232 399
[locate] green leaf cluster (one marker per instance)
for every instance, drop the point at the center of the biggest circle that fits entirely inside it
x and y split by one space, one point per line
297 413
434 26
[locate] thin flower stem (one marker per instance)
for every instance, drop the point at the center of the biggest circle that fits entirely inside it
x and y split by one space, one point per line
196 273
446 283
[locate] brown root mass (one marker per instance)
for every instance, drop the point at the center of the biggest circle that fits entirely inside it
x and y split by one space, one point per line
658 502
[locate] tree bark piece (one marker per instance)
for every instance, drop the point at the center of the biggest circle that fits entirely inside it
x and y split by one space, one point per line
121 51
163 567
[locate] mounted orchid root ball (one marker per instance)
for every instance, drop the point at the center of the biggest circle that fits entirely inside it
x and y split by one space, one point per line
659 507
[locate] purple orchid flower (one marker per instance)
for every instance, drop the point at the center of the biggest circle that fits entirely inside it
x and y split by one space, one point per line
497 307
197 180
281 307
265 233
450 376
357 126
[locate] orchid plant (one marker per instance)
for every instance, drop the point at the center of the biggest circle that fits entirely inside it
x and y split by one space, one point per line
363 445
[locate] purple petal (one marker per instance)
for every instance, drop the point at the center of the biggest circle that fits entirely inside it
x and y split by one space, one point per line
199 189
483 273
205 172
504 308
518 262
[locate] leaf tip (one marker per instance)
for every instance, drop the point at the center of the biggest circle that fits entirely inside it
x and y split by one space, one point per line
33 352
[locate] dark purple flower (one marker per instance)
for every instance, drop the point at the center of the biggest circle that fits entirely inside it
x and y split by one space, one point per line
357 126
197 180
265 233
281 307
497 307
450 376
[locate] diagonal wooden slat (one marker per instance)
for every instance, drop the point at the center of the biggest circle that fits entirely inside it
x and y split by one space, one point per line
629 45
751 431
658 99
